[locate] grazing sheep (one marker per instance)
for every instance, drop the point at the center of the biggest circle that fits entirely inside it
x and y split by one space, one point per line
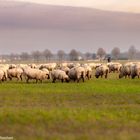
101 71
33 66
49 66
94 65
59 75
135 71
114 67
35 74
4 68
1 75
63 65
77 73
12 66
125 71
47 72
88 71
70 65
15 73
65 69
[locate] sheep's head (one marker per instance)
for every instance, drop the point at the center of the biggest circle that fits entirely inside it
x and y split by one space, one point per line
48 76
67 79
120 75
97 74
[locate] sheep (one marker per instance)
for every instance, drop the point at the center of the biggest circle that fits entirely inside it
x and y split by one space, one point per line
15 73
94 65
65 69
47 72
125 71
12 66
4 68
135 71
1 75
59 75
70 65
88 71
35 74
114 67
33 66
77 73
63 64
49 66
102 70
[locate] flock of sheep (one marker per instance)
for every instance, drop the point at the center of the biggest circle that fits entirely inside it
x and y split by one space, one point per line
66 72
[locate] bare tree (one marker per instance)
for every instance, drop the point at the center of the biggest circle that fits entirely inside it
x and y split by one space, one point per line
14 57
101 53
61 54
24 56
88 55
115 52
47 54
132 52
73 55
36 55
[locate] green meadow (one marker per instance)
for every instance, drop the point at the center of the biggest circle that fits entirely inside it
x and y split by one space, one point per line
100 109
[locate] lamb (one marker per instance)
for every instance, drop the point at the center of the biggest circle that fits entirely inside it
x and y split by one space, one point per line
59 75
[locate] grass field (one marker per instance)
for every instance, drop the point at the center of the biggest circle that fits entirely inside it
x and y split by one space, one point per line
103 109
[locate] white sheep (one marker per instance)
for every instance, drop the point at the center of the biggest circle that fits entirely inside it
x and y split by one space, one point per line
59 75
77 73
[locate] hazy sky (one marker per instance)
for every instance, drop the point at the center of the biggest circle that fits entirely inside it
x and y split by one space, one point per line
117 5
117 31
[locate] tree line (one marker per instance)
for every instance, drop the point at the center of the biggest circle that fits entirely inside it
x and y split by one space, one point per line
73 55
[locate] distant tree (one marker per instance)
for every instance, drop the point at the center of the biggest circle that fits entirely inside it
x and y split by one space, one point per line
115 52
47 54
93 56
14 57
101 53
61 55
24 56
36 55
132 52
88 55
73 55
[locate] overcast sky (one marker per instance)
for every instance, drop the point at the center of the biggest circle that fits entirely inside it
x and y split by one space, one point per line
117 5
107 30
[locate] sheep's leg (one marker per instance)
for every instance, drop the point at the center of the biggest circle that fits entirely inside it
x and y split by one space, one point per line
83 79
53 80
10 78
27 80
21 77
78 80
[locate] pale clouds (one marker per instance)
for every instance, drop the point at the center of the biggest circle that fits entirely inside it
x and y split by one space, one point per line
113 5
